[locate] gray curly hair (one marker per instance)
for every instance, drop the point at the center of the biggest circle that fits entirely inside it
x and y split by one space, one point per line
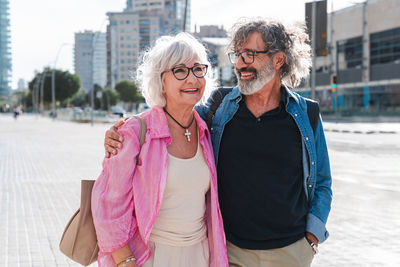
292 40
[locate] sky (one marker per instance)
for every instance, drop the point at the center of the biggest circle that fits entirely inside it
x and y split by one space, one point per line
42 28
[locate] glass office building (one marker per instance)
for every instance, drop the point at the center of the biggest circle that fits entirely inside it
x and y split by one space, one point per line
5 49
136 28
364 55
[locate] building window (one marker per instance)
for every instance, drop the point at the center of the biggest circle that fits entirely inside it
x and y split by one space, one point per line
385 47
127 22
144 22
350 53
144 31
121 22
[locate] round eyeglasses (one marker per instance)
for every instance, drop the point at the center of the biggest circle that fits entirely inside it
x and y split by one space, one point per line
182 72
247 56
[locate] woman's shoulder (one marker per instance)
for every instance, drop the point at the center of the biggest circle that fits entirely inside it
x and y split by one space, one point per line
133 124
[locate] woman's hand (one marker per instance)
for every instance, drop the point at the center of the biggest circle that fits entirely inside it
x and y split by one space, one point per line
112 139
121 254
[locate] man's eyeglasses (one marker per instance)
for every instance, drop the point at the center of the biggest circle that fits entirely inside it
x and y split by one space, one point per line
247 56
182 72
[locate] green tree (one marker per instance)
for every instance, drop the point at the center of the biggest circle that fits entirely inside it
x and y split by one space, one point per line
128 91
98 104
110 98
79 99
66 84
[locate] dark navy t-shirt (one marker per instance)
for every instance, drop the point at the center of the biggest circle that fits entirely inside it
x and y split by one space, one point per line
260 179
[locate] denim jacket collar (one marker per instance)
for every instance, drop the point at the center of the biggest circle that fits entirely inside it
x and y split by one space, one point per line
237 95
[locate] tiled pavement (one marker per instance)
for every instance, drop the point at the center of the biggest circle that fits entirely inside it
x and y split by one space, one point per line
42 163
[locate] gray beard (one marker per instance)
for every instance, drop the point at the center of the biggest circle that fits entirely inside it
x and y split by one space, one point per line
262 77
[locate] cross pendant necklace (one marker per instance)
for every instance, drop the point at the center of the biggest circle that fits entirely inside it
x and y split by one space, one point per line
187 132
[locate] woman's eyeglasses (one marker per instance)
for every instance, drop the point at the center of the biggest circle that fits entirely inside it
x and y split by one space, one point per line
181 72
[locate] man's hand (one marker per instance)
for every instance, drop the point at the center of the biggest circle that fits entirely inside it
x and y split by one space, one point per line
113 140
312 238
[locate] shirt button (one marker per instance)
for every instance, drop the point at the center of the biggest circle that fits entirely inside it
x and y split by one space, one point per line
212 128
313 163
306 138
310 185
295 114
258 119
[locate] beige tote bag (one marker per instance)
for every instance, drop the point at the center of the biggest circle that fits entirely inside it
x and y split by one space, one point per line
79 241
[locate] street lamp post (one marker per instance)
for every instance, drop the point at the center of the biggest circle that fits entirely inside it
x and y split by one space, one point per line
53 83
313 45
95 39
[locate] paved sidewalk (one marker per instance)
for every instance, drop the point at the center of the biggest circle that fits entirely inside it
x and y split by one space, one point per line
362 127
42 163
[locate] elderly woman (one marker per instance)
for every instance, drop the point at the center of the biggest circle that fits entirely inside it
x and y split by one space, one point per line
163 210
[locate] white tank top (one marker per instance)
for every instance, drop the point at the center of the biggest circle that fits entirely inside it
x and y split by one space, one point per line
180 221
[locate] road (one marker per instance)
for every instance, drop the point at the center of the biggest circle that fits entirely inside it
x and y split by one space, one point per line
42 162
365 219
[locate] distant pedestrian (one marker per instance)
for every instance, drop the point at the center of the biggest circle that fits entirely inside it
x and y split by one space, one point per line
17 111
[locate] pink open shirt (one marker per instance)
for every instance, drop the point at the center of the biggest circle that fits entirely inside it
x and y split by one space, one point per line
126 197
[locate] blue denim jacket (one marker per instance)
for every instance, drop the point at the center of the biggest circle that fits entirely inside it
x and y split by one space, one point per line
317 174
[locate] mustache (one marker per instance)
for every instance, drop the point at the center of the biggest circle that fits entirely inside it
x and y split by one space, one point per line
247 70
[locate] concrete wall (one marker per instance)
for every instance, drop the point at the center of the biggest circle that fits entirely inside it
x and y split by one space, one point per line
383 15
385 71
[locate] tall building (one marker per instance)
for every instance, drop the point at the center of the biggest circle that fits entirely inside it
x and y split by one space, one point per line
133 30
364 57
21 84
211 31
91 59
5 49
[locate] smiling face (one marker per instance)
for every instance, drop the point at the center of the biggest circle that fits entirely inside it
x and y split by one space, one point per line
183 93
252 77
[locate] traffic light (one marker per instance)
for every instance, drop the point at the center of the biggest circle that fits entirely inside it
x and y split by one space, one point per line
321 26
334 81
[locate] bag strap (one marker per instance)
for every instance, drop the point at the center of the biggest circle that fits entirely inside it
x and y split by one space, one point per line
142 134
216 99
312 113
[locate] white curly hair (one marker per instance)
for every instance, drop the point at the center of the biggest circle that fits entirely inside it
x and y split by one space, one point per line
167 52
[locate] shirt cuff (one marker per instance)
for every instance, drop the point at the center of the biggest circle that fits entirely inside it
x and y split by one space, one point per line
317 228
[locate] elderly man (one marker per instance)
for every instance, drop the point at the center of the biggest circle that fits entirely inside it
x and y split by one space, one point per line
274 178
